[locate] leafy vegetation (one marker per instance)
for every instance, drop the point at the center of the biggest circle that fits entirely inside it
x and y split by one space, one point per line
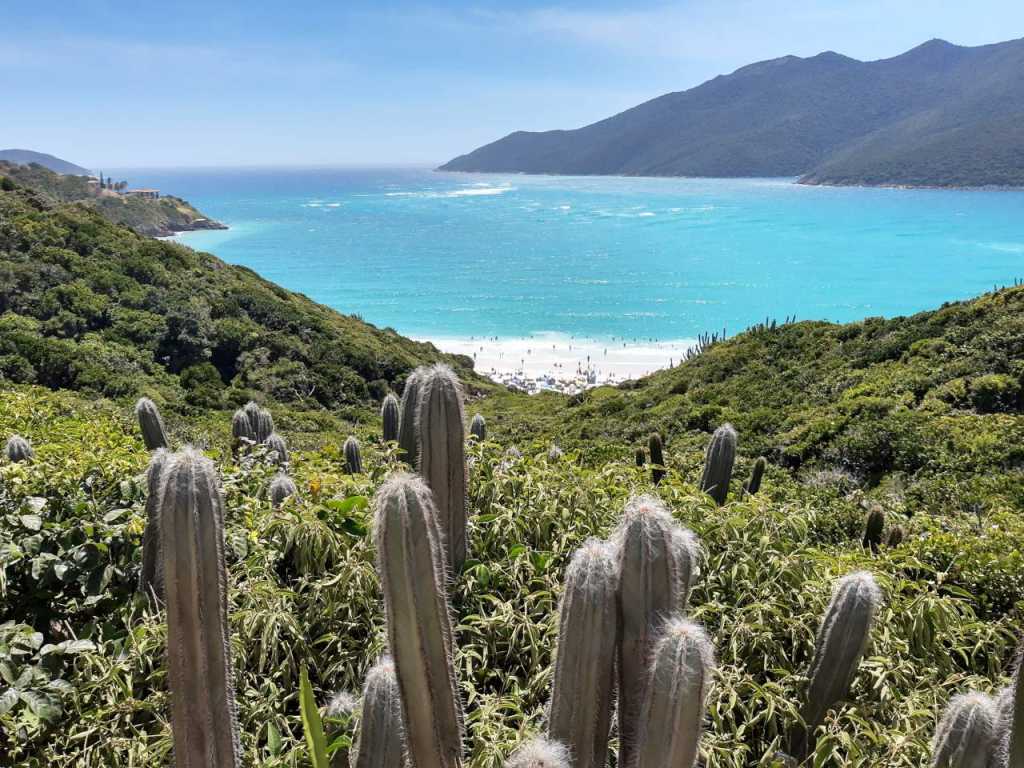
94 307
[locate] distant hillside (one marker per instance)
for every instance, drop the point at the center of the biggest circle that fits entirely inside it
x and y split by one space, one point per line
155 218
938 115
55 164
93 307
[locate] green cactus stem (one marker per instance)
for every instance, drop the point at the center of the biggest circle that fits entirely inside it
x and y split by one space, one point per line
389 418
718 462
841 642
657 452
641 457
1011 705
281 487
277 449
874 525
339 721
895 536
753 484
353 457
675 693
242 432
408 437
967 735
478 428
18 449
203 712
151 574
657 560
151 425
411 565
379 742
442 456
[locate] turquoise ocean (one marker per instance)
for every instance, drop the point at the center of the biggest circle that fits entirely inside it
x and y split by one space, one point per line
437 255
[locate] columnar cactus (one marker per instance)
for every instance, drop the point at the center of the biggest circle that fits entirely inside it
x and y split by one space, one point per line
656 449
541 753
442 456
277 449
841 642
718 461
411 564
379 742
895 536
967 733
478 428
874 525
203 711
353 457
1011 705
584 674
389 418
18 449
242 430
756 475
670 723
408 439
151 425
641 457
281 488
261 423
338 721
657 561
151 576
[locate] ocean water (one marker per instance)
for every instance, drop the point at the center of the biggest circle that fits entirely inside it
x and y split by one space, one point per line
454 256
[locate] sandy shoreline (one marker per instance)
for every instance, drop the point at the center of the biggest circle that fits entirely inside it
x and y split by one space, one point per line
557 361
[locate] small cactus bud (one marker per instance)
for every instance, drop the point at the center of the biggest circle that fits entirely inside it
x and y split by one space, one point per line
338 721
151 574
203 711
841 642
379 743
756 475
151 425
966 736
656 449
478 428
442 456
657 562
874 524
281 488
540 753
674 697
18 449
718 461
584 675
411 565
353 457
277 449
896 535
408 437
641 457
389 418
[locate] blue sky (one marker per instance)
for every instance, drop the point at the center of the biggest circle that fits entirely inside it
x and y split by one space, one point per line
106 83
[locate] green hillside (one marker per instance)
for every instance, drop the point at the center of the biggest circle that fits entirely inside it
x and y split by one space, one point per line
918 419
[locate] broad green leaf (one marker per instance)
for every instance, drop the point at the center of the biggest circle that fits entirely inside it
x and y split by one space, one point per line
312 725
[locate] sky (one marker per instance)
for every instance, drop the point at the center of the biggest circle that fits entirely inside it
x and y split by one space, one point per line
106 83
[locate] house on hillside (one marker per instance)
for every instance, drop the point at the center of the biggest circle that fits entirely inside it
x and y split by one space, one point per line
149 194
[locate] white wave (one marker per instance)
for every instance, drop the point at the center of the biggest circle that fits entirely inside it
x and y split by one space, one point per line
334 205
475 190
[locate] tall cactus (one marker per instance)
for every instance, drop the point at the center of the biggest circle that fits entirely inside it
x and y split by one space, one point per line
657 560
718 461
541 753
841 642
640 457
379 741
670 724
151 425
408 439
203 711
151 576
277 449
353 457
261 422
584 674
411 564
478 427
874 525
281 488
753 484
657 452
966 736
389 417
18 449
338 721
442 456
1011 704
241 431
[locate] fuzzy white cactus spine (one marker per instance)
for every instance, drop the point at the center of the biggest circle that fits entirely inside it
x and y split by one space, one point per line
151 425
411 565
408 440
389 416
540 753
966 736
379 741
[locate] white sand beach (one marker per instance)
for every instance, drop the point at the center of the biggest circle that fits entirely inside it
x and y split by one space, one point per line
565 363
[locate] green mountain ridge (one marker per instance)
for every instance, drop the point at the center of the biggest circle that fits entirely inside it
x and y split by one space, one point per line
937 115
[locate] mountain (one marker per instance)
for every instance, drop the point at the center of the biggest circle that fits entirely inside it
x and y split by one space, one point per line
55 164
158 217
939 114
94 307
